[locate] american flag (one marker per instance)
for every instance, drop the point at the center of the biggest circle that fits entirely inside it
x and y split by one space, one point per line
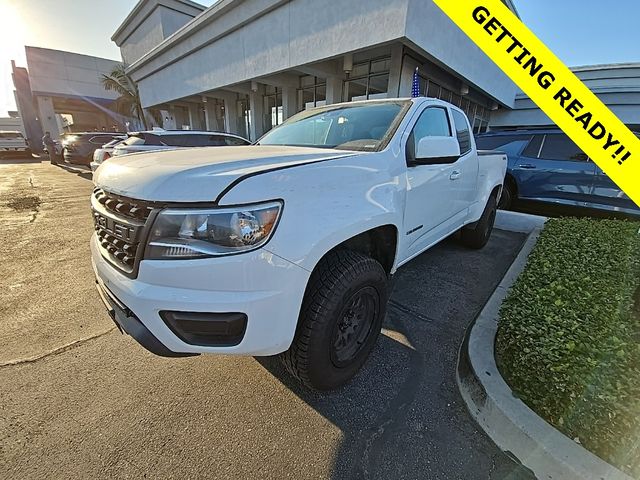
415 89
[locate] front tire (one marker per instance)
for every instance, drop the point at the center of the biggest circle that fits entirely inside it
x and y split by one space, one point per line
478 236
340 320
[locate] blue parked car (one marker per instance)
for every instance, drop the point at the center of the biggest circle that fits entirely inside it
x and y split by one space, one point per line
547 166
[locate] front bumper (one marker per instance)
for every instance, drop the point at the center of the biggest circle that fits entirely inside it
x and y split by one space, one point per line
263 286
128 323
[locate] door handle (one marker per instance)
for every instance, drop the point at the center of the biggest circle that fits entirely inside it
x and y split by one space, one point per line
455 175
527 166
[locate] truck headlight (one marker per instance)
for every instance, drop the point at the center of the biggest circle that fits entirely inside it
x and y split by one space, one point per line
185 234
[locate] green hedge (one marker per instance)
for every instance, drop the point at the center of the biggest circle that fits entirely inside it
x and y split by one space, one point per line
569 335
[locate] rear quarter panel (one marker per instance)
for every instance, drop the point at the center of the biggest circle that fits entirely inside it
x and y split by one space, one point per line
491 173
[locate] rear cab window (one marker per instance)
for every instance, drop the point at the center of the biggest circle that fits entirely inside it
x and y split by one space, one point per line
463 132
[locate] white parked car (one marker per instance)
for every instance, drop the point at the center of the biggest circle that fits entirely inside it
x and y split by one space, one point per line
13 143
104 153
159 139
287 246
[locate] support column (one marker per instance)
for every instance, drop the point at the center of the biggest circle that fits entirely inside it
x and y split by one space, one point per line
48 116
210 114
178 115
395 71
231 114
289 102
334 90
194 116
256 104
169 118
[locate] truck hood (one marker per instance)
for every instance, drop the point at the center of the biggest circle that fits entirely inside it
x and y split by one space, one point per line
199 174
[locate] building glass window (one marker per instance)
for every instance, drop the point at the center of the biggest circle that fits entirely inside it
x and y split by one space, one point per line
312 92
368 80
478 115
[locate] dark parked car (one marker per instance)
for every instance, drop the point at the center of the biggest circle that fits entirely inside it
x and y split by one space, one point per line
79 147
546 166
159 139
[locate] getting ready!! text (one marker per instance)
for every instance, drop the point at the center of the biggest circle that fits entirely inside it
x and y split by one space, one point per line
546 79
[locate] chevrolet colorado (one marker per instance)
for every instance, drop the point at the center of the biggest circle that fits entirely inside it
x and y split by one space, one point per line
287 246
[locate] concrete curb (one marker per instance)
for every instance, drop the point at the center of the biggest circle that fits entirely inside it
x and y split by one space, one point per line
512 425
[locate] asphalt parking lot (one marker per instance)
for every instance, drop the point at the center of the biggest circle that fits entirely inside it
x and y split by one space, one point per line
103 407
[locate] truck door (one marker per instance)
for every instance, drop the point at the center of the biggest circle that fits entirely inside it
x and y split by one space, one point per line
466 172
431 205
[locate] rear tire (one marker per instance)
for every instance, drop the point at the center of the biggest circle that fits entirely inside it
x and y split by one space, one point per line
508 196
477 237
340 320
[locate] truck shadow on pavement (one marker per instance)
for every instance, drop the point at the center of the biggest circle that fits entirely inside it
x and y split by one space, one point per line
79 171
403 416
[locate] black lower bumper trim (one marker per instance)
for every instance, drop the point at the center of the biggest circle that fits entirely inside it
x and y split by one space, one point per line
207 329
128 323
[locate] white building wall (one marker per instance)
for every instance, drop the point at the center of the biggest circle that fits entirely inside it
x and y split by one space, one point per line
433 33
149 23
289 35
144 38
59 73
235 41
47 116
11 124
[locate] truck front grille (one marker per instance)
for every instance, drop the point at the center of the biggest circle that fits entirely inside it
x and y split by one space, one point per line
123 252
120 224
128 208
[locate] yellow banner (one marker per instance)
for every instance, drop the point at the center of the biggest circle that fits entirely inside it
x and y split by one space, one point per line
552 86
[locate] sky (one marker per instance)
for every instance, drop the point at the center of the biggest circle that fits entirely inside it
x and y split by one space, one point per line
580 32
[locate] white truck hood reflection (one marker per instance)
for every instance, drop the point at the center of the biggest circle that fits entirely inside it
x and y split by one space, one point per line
198 174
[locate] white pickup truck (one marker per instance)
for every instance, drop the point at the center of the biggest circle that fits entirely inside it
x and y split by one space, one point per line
287 246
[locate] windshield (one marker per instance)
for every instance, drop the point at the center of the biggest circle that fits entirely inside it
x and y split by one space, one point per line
360 126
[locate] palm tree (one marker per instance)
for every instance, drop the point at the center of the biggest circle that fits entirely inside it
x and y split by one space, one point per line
129 101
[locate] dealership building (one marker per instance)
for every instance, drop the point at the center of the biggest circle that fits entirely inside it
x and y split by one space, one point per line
62 91
244 66
618 86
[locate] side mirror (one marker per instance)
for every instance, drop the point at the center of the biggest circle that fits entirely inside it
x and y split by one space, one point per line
436 150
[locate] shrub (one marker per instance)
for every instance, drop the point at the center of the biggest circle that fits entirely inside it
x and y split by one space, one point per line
569 335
